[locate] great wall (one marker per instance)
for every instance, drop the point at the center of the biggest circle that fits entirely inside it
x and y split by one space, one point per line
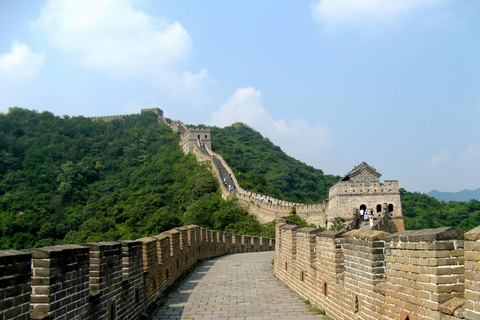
108 280
362 272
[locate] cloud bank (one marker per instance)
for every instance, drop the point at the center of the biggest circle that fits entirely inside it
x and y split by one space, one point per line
111 35
296 137
21 64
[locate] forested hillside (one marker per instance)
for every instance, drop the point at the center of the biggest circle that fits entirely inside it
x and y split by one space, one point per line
71 180
421 211
262 167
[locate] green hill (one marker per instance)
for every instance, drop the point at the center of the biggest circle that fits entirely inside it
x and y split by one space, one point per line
421 211
72 180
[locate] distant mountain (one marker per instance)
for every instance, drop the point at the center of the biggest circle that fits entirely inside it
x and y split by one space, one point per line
464 195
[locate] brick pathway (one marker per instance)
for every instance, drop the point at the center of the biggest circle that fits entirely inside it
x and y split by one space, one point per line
237 286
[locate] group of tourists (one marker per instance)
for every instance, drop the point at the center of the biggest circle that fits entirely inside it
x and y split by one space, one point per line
365 216
228 186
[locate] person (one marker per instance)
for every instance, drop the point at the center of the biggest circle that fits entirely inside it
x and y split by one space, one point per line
371 220
361 214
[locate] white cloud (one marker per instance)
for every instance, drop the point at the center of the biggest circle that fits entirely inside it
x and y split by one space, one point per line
296 137
470 156
452 172
111 35
438 160
340 12
20 64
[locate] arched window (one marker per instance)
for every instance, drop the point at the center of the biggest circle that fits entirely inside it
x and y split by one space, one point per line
355 307
379 208
325 289
363 207
286 266
302 276
390 207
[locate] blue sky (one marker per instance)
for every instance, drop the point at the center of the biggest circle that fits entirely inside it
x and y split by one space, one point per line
332 82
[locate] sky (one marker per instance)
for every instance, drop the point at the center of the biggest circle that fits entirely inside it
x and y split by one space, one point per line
332 82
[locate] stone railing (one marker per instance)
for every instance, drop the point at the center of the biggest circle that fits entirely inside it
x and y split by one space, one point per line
367 274
108 280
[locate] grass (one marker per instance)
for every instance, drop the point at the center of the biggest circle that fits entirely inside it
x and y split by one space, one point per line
313 308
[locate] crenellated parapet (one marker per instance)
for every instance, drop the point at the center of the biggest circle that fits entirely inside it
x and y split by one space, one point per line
108 280
364 188
368 274
108 118
157 111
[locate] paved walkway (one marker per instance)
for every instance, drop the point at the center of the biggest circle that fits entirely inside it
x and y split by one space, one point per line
236 286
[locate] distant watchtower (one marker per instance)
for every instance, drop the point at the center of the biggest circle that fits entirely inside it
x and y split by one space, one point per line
361 189
199 136
157 111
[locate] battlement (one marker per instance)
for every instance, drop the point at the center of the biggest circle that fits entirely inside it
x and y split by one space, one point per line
197 129
157 111
108 280
108 118
349 187
367 274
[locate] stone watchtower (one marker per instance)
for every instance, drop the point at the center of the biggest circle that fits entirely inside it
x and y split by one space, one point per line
199 136
157 111
361 189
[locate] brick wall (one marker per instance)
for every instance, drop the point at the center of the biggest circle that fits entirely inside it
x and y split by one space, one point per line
107 280
367 274
15 281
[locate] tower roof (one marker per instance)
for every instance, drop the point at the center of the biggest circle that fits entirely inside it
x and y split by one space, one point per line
362 172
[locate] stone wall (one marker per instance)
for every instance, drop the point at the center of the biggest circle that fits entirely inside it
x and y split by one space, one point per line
107 280
15 285
157 111
345 198
368 274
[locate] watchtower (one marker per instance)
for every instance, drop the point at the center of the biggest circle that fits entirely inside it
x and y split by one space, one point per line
199 136
157 111
361 189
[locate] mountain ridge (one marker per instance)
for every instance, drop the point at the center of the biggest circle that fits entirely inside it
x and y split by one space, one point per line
464 195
